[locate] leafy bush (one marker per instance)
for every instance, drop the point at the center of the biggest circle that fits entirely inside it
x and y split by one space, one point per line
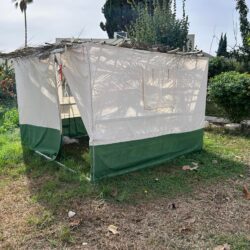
212 109
231 92
10 121
158 24
218 65
7 82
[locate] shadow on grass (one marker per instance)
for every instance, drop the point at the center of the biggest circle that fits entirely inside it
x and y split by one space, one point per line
54 187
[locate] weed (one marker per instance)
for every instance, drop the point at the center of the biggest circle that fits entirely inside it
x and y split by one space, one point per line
9 121
65 235
42 221
237 241
54 243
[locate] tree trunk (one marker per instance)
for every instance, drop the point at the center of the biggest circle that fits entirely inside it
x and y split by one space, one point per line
25 26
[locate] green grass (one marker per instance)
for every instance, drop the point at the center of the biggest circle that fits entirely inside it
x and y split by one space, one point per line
171 180
224 157
56 186
6 105
236 242
10 150
42 221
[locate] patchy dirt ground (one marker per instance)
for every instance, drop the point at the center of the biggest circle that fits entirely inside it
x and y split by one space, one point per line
201 220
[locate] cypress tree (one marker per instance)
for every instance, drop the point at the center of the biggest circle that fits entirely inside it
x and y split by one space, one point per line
241 6
222 48
219 51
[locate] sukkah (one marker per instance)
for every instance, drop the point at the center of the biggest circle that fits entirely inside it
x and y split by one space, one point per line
140 107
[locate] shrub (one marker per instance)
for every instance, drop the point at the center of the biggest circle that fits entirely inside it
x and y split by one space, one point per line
10 120
231 92
7 81
157 24
218 65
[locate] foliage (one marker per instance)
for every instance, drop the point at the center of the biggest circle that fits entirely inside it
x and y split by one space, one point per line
22 4
242 58
9 121
218 65
65 235
160 25
241 6
212 109
10 150
243 53
7 83
222 49
118 15
231 91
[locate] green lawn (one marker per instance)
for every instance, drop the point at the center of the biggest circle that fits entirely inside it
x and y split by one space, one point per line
47 192
224 156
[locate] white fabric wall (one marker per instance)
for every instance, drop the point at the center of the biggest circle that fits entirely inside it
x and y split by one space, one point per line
136 94
76 69
37 93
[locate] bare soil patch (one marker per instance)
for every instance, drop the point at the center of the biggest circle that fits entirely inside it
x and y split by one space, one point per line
191 221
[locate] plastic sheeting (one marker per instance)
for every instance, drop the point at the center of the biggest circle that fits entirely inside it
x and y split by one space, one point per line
125 94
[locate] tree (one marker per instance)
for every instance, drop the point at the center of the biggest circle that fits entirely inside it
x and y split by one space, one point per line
220 46
160 27
243 53
222 49
119 14
244 23
22 4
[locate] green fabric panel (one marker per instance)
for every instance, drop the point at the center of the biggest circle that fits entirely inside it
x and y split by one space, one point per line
45 140
120 158
73 127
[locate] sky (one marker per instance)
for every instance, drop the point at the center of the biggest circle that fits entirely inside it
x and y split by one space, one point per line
50 19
